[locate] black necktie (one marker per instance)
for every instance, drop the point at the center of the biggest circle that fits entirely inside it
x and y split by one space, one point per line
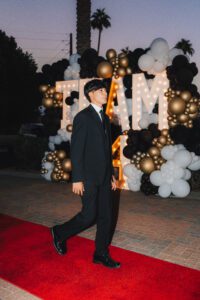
103 120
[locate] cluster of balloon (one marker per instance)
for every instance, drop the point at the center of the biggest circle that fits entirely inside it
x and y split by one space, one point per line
152 160
51 98
61 165
117 65
182 108
181 74
189 137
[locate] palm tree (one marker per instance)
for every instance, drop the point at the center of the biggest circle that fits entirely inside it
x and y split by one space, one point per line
99 21
83 28
186 46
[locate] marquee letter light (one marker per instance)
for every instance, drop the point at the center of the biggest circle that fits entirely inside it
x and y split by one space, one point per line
66 87
142 95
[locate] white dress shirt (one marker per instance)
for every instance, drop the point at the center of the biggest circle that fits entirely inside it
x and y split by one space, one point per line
97 108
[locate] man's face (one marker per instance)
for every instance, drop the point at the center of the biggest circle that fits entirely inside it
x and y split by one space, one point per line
99 96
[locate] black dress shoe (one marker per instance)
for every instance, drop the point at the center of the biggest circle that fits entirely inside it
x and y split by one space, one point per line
106 260
59 246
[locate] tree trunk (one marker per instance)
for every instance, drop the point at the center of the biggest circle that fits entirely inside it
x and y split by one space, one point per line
99 40
83 27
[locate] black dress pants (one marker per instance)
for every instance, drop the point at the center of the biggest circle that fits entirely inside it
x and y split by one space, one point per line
96 206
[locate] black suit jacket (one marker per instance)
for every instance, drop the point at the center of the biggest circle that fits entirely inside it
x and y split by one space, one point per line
91 153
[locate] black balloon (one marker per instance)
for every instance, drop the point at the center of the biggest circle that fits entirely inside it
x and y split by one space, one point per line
189 137
147 187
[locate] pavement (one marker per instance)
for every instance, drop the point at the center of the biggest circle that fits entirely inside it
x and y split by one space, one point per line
168 229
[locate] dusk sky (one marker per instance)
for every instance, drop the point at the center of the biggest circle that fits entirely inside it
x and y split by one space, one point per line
42 27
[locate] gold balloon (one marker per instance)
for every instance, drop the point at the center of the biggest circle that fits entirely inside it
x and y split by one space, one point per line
162 140
128 71
111 53
104 70
186 95
159 145
177 106
183 118
69 127
112 61
49 157
61 154
58 96
121 55
193 116
66 165
154 151
54 176
164 132
193 108
121 71
65 176
51 90
147 165
47 102
43 88
161 160
172 124
123 62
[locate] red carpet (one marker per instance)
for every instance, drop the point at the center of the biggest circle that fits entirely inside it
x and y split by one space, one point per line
28 260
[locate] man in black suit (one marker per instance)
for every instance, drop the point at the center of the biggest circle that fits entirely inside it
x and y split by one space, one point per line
92 175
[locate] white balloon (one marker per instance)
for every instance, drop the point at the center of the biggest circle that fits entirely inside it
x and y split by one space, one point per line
178 173
51 138
187 175
48 165
159 46
75 75
153 118
129 170
180 188
156 178
76 67
174 52
164 190
67 74
159 67
51 146
58 139
143 123
195 166
47 176
182 158
132 186
164 58
74 58
179 147
168 152
145 62
129 106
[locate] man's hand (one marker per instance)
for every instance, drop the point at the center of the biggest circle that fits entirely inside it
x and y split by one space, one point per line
113 183
78 188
